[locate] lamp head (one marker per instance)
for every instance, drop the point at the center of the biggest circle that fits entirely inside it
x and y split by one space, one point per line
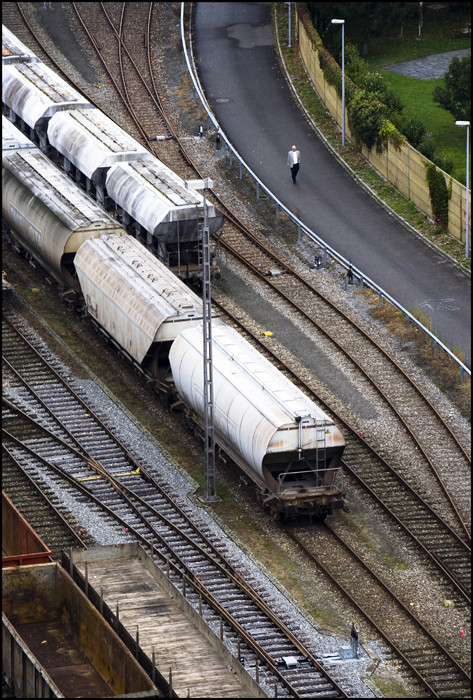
338 21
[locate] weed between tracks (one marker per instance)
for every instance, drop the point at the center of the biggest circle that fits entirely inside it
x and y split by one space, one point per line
442 370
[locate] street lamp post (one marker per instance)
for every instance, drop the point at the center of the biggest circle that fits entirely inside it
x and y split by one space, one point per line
209 466
342 22
467 224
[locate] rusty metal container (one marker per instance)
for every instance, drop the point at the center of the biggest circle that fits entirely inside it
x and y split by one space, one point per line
56 644
20 543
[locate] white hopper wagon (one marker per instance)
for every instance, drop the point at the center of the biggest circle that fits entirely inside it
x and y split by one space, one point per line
287 445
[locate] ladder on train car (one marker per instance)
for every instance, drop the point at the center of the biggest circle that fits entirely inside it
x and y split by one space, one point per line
320 441
321 445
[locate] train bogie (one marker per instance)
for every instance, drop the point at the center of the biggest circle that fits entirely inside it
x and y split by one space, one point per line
156 207
285 443
289 447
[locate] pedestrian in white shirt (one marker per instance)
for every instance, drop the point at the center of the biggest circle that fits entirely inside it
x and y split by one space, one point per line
293 162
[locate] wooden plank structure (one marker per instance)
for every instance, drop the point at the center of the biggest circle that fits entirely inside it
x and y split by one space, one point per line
199 663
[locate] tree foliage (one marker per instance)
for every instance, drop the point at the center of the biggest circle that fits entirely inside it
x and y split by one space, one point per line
370 17
414 130
376 85
455 94
438 194
356 67
367 116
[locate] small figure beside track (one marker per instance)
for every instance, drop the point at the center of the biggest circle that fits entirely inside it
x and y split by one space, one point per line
354 641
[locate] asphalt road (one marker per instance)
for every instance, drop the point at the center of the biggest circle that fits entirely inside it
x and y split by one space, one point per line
248 94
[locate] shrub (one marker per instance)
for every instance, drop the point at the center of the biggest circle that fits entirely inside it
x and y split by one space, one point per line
444 162
438 192
367 116
356 67
414 130
455 94
389 133
375 84
427 146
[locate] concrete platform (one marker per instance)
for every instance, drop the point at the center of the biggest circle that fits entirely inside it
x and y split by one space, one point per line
201 665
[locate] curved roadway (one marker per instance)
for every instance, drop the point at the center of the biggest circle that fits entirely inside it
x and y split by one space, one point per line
248 94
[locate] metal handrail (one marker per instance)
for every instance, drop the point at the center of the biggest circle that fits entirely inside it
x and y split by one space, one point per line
364 279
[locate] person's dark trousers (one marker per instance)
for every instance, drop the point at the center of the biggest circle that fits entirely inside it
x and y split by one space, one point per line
294 171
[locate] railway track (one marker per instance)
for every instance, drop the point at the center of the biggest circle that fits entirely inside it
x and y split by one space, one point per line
57 438
38 506
441 544
430 662
112 28
432 453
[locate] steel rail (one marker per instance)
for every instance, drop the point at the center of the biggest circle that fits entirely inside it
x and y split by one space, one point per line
131 497
32 483
231 217
347 428
181 567
338 344
367 615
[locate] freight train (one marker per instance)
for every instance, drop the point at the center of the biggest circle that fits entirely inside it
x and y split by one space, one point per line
149 200
287 445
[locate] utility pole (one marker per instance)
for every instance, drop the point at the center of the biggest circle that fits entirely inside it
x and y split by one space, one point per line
209 466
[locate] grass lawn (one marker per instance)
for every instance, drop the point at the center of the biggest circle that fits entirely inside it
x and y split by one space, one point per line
437 36
416 96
